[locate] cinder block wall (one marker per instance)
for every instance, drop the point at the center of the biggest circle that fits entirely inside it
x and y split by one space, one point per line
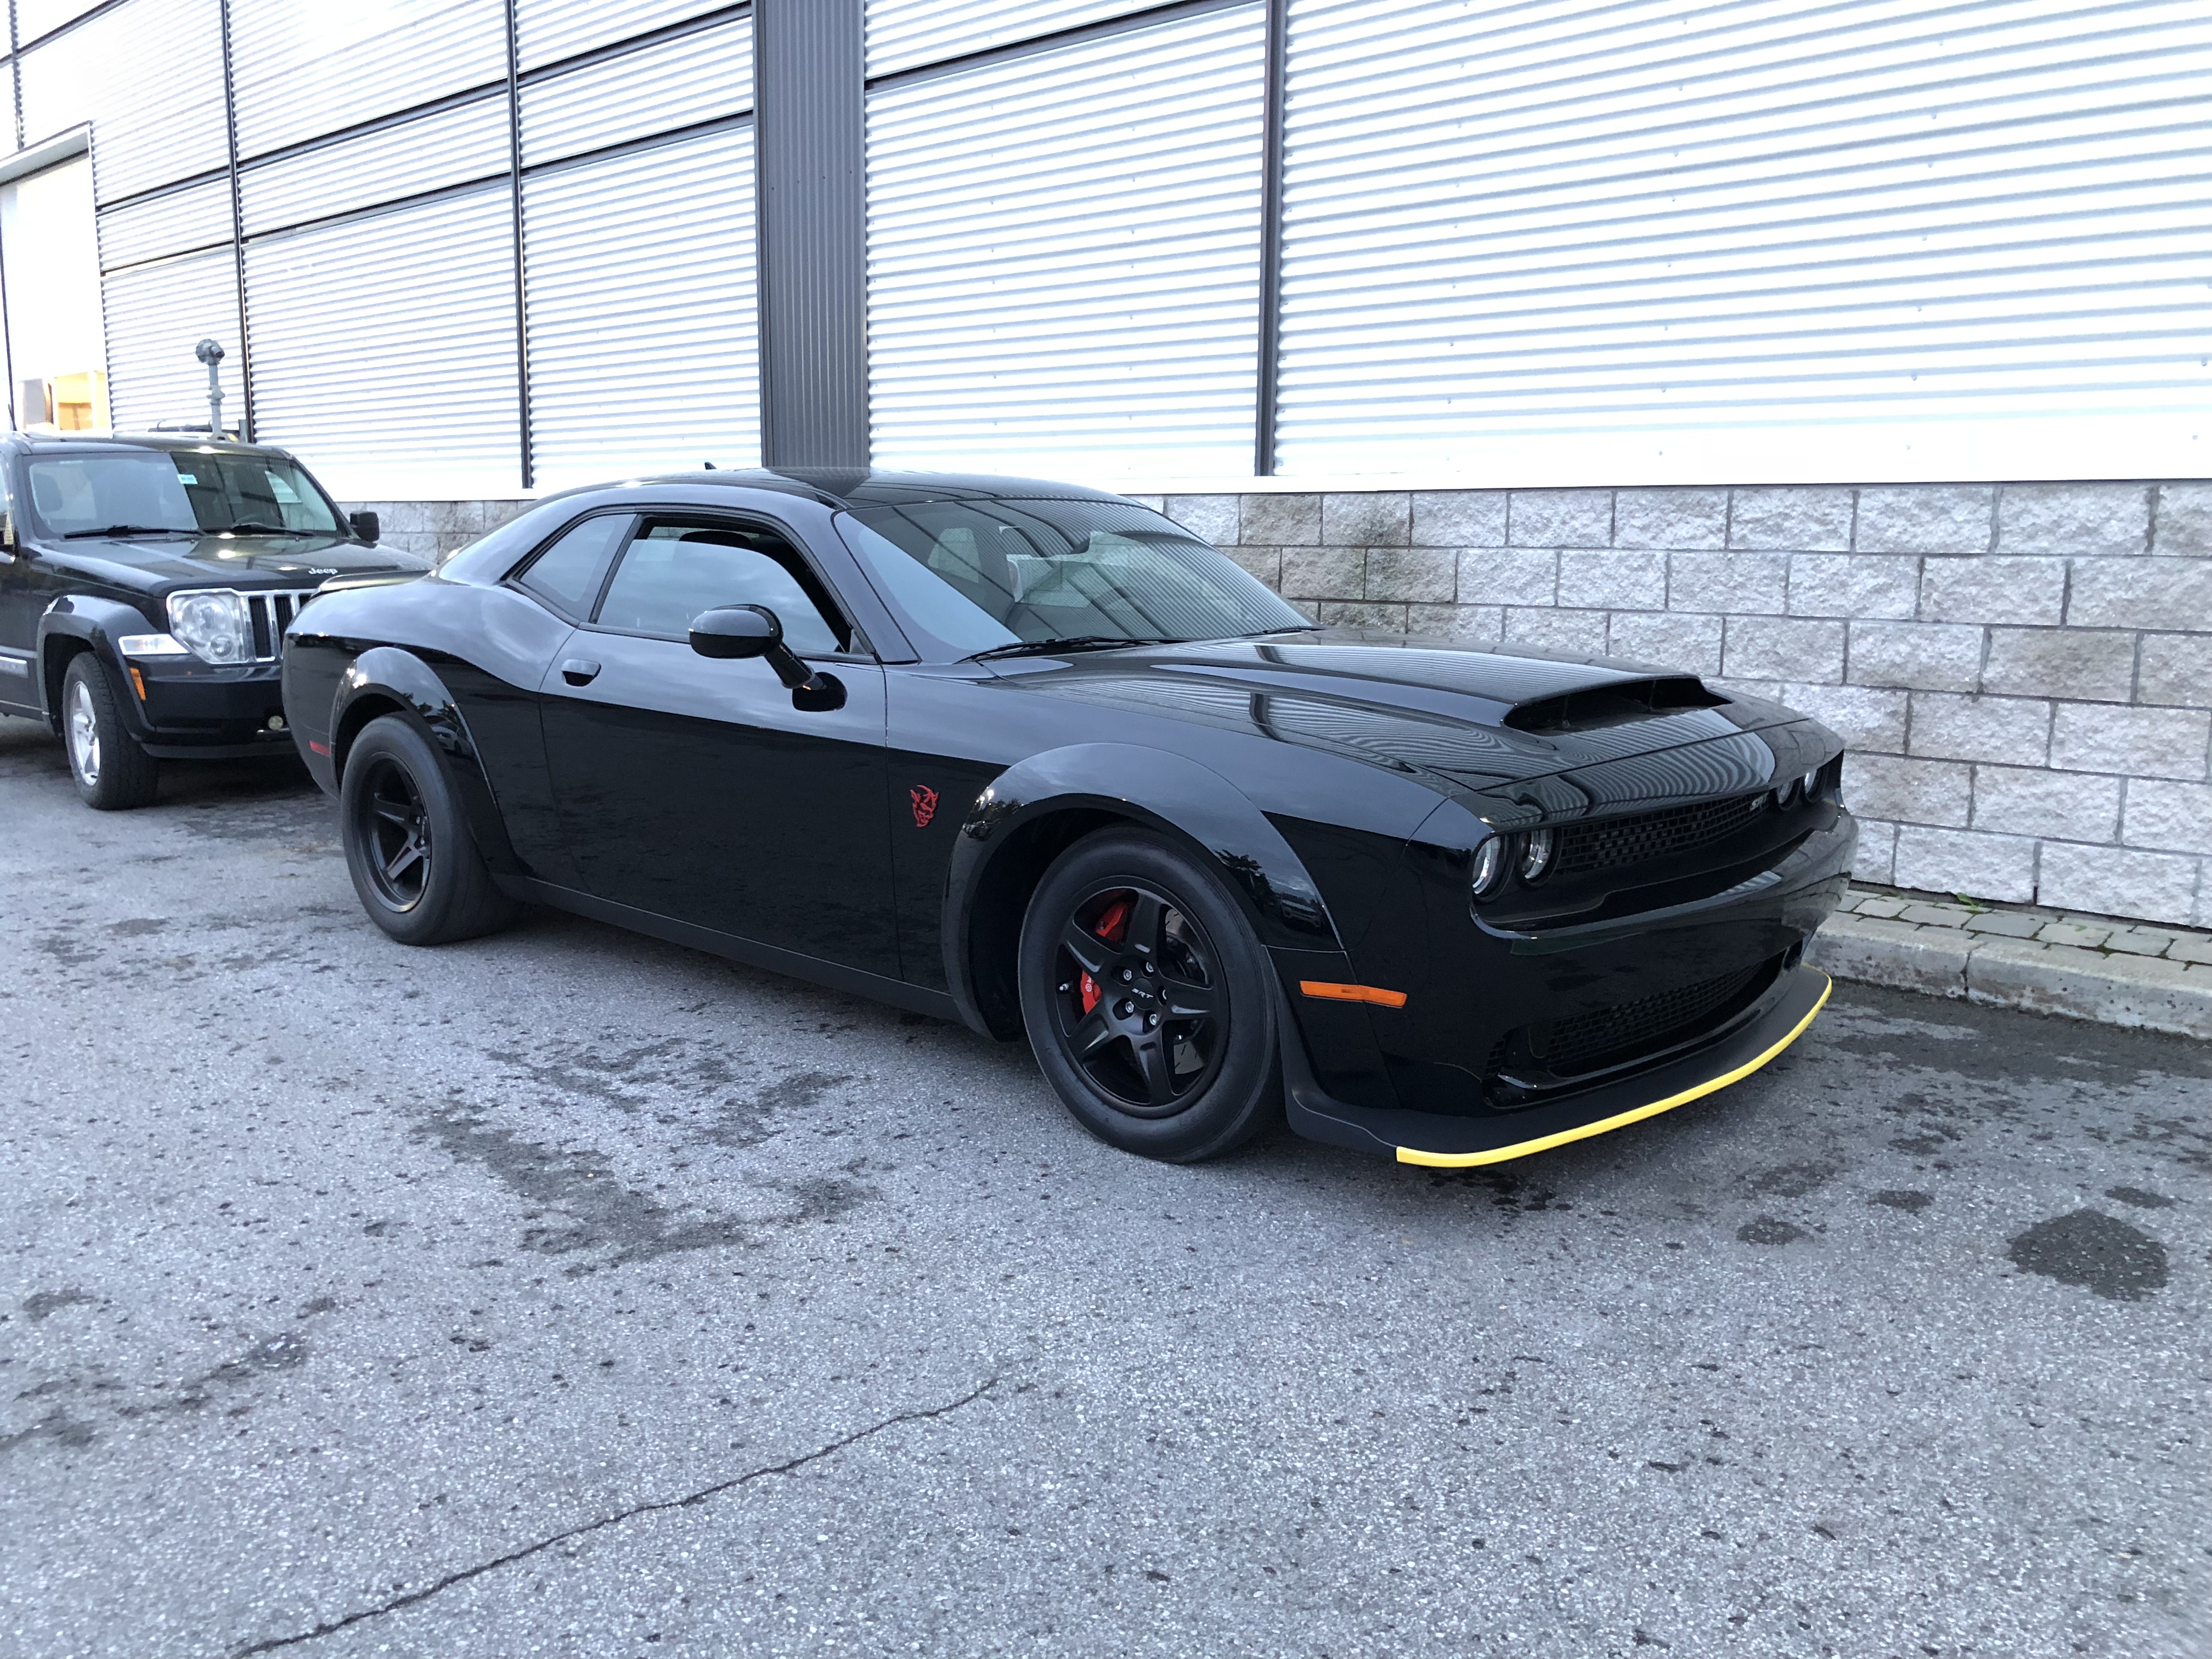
2023 671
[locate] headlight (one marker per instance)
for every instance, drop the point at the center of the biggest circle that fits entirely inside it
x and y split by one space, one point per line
1809 786
213 625
1535 855
1491 864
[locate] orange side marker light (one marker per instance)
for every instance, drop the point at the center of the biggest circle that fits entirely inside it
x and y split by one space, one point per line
138 682
1328 991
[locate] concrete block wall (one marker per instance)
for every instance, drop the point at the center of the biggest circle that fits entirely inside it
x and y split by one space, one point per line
2023 671
436 528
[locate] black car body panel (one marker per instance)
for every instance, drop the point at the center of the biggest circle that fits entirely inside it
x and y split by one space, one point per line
62 595
1341 781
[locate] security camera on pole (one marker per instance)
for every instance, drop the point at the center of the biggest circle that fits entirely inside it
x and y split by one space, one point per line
211 353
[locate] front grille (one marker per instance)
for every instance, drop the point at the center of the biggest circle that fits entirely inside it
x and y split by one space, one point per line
1580 1042
1613 841
272 612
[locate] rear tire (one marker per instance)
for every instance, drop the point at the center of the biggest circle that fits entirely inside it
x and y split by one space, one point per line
408 846
1150 1005
112 773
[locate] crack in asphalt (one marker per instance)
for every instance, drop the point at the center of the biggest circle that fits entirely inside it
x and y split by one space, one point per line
689 1500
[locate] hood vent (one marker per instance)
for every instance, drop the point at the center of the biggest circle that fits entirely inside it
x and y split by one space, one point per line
1613 705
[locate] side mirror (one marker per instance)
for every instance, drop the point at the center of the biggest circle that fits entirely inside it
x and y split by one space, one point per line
367 526
751 630
732 631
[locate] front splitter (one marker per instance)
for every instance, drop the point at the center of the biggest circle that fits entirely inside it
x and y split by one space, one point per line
1454 1143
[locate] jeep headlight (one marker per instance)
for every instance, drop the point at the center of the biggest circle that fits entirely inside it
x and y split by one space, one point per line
213 625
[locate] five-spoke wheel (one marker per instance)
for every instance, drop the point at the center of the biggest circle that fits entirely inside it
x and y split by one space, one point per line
1138 1001
396 831
1149 1002
408 846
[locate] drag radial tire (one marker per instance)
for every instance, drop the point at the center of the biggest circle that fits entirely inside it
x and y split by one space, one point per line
407 842
1149 1003
111 771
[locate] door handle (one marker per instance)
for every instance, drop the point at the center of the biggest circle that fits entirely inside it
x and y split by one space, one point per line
577 671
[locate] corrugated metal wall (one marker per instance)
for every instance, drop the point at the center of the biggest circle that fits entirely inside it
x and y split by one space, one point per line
1529 243
1063 259
1517 239
668 374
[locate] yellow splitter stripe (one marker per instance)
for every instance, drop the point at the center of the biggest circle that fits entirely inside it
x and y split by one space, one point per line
1500 1154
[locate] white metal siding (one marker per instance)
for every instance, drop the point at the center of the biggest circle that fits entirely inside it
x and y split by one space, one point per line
694 77
307 67
36 17
1546 243
148 76
642 351
903 34
384 348
156 314
170 223
1063 256
546 31
449 148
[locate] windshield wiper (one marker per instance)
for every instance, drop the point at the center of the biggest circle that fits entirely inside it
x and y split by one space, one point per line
129 530
1072 642
1289 627
250 528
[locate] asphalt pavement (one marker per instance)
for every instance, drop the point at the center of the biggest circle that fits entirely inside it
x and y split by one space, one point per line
569 1293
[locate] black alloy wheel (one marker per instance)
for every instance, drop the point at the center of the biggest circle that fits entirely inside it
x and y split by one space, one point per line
414 863
1138 1003
395 833
1151 1006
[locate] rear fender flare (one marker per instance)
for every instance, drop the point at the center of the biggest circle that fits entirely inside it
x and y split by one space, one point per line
1187 803
387 675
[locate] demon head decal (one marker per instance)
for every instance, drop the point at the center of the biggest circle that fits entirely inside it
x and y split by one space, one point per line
924 805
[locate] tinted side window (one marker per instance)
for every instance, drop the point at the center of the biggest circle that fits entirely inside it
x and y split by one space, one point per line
673 572
567 576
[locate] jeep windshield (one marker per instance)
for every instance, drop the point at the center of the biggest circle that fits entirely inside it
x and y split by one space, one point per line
998 576
155 492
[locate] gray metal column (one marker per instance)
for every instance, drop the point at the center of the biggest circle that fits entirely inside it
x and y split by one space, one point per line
809 127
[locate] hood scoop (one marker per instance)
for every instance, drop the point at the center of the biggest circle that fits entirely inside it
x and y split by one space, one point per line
1592 708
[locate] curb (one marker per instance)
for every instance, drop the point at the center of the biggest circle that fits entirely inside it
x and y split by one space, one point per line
2145 993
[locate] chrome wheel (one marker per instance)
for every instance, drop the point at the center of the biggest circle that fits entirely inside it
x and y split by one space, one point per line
81 721
394 827
1138 1000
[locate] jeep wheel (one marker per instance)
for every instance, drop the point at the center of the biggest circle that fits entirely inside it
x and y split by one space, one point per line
111 772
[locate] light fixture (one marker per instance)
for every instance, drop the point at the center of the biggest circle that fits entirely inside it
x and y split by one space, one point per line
1491 866
1537 854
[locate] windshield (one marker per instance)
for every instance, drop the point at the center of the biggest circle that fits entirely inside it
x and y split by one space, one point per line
980 575
178 491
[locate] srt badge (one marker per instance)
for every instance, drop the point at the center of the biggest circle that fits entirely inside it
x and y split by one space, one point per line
924 805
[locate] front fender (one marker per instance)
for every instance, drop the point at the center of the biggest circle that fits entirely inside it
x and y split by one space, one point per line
1183 800
387 675
99 624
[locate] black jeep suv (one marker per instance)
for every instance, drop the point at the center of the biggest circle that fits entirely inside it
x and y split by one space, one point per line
145 586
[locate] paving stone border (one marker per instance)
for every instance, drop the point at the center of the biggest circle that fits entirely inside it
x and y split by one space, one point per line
2102 968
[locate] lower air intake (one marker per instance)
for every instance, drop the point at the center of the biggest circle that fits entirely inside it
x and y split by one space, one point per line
1588 1042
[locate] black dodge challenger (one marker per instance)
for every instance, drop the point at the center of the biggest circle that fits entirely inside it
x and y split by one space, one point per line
1033 757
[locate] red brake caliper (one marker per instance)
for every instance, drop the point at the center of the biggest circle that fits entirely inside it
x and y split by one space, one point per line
1112 923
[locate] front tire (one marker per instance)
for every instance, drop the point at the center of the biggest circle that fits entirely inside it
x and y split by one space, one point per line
408 847
112 773
1150 1005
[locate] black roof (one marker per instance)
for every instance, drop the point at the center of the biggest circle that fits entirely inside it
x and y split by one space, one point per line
870 487
198 442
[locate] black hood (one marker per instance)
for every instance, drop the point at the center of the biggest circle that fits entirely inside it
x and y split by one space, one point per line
1484 719
168 562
